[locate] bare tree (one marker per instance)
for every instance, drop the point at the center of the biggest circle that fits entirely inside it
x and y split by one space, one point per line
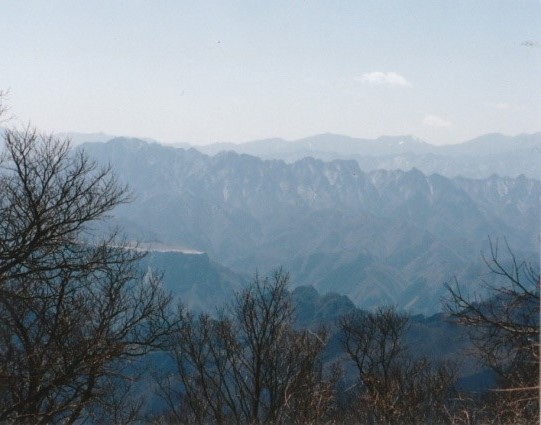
392 386
250 365
374 340
73 308
503 325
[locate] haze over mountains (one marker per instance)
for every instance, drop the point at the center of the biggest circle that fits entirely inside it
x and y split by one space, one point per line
379 237
477 158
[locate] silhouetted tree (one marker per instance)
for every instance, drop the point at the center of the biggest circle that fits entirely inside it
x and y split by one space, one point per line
250 365
392 386
74 309
503 325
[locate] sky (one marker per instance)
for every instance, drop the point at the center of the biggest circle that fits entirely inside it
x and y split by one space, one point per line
233 71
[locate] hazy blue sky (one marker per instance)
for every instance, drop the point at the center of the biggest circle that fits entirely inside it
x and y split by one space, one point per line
206 71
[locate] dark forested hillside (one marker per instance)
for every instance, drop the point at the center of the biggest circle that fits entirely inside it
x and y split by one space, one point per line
198 282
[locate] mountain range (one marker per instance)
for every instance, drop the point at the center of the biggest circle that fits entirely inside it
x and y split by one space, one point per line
379 237
477 158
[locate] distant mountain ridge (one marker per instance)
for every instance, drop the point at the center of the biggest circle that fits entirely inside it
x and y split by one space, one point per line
324 143
77 138
476 158
379 237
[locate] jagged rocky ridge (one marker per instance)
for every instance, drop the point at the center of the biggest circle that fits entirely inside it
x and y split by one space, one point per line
379 237
477 158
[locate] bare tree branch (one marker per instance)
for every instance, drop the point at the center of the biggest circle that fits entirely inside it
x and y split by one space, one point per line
503 326
72 310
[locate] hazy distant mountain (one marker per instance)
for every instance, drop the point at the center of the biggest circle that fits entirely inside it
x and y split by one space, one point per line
80 138
379 237
495 143
477 158
323 144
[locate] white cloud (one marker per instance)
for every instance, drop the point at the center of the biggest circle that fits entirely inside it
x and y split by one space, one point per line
504 106
383 78
435 121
